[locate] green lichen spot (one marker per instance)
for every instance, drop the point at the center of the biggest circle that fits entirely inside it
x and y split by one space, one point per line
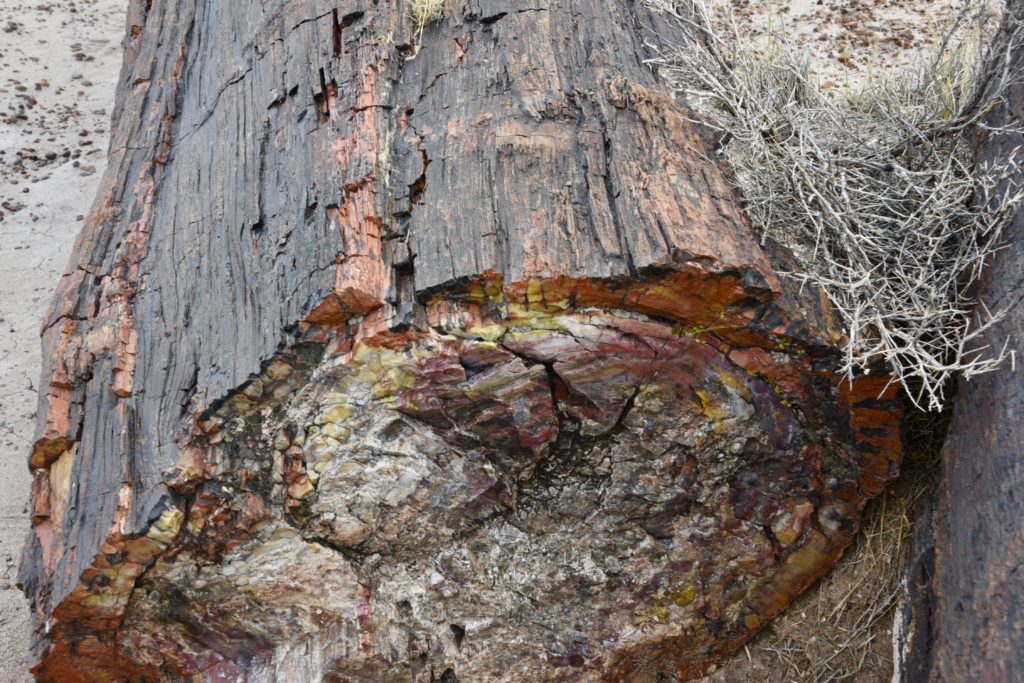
683 596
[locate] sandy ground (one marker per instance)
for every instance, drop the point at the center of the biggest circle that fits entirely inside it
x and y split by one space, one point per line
849 42
58 67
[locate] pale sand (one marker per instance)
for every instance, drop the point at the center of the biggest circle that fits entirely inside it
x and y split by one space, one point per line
849 42
39 42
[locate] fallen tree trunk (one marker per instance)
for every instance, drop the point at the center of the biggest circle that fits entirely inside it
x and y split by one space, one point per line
968 620
401 355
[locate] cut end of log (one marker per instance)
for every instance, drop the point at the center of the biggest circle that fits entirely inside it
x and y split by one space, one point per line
551 479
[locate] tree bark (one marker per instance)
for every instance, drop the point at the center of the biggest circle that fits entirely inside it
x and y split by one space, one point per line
388 355
976 629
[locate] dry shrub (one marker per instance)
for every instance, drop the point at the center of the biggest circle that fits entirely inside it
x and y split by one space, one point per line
878 193
875 190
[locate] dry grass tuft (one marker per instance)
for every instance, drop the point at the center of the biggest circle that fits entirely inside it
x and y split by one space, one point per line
876 190
424 12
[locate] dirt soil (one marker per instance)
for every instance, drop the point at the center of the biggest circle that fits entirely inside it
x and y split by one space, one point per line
58 68
849 42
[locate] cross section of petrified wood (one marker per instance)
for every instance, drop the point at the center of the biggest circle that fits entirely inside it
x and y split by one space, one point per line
380 361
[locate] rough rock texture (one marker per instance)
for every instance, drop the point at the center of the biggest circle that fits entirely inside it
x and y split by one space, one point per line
380 360
976 631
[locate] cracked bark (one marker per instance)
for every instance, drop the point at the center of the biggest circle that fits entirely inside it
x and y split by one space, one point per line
965 609
458 361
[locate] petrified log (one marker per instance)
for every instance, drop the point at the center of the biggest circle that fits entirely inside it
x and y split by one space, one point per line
386 356
976 632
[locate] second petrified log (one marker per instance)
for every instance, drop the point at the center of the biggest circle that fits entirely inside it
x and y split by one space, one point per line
966 617
399 356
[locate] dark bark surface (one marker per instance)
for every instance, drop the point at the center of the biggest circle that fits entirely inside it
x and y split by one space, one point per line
498 268
978 589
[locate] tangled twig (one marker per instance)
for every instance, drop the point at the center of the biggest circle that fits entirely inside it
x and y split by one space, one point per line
877 191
